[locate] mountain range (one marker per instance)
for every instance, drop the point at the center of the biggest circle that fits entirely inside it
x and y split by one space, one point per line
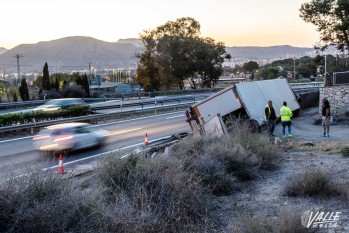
77 53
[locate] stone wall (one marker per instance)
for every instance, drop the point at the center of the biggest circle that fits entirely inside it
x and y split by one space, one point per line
338 96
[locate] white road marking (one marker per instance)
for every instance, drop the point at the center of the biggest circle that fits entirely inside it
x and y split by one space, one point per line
15 139
125 131
174 117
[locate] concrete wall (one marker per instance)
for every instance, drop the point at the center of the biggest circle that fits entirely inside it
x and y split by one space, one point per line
338 96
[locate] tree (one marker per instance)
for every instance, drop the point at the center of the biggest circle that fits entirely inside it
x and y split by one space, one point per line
23 90
331 17
38 82
267 72
2 90
173 53
86 85
208 59
46 78
251 67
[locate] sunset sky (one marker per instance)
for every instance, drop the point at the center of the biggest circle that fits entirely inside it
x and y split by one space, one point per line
234 22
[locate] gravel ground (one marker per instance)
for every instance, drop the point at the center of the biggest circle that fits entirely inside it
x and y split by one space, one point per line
264 196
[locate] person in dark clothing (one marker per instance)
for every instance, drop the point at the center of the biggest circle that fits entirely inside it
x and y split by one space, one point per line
270 117
326 114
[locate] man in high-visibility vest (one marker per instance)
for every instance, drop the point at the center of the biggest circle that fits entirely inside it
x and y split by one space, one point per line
286 115
270 117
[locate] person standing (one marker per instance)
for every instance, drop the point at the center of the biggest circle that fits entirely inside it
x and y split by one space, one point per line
326 114
270 117
286 115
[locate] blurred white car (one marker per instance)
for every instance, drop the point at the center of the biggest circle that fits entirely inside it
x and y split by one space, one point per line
73 136
56 104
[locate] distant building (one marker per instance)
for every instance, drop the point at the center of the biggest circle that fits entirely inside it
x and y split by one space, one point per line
114 89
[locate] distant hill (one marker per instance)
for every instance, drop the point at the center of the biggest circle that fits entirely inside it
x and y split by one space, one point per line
2 50
75 53
272 52
70 53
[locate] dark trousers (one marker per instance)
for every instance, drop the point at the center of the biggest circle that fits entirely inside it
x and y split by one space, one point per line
271 126
284 124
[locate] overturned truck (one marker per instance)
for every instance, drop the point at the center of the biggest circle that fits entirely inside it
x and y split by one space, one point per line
244 101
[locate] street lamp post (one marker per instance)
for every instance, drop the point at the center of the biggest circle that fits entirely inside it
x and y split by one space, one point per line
325 65
294 68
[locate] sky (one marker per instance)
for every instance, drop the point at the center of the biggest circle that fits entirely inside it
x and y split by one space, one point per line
234 22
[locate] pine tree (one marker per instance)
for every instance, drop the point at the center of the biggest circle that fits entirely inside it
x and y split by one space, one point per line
23 90
86 85
46 78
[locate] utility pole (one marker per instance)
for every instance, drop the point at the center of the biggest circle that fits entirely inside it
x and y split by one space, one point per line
294 68
17 56
90 78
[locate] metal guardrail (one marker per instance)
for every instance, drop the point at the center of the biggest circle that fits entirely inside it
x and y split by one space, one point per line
307 83
96 117
306 89
21 104
25 104
147 102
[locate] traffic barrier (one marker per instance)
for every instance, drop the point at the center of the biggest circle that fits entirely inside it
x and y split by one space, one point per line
60 165
146 139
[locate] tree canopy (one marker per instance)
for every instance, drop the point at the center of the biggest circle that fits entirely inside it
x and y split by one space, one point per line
175 52
331 17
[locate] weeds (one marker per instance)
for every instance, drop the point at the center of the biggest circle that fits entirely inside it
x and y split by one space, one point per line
286 222
345 151
154 195
322 146
315 183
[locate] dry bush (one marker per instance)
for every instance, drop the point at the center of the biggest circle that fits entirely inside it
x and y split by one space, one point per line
43 202
322 146
315 183
229 158
154 195
284 222
259 144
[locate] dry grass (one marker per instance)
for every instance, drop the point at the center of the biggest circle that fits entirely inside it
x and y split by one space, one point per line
315 183
284 222
321 146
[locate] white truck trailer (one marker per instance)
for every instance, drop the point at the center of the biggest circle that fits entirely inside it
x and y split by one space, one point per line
246 100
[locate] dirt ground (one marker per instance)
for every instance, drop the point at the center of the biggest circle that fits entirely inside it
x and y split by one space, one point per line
264 196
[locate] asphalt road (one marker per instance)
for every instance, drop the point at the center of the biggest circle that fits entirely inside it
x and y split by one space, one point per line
17 156
304 129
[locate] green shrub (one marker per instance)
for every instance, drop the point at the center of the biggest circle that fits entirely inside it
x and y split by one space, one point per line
29 117
345 151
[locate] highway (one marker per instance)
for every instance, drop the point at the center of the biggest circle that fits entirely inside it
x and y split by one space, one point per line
17 155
